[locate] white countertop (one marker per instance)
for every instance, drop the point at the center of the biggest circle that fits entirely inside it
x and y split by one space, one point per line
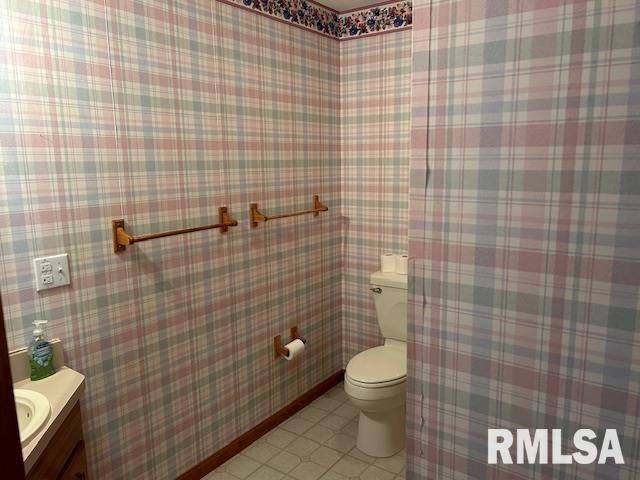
63 389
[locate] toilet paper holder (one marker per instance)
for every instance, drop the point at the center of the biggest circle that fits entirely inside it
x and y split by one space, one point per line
279 349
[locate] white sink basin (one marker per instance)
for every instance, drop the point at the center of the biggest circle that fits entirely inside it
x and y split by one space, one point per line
33 411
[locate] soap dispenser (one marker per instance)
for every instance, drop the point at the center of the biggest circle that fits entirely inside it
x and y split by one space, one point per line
40 353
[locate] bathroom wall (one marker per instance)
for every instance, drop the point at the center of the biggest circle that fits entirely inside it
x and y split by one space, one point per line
159 112
524 227
375 82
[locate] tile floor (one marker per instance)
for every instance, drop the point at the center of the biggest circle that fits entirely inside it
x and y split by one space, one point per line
316 443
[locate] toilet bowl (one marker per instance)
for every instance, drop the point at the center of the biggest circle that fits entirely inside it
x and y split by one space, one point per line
375 380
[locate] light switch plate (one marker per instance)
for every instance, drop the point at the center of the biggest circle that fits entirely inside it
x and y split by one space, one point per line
51 272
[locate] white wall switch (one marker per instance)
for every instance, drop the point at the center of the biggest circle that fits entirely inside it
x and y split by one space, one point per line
51 272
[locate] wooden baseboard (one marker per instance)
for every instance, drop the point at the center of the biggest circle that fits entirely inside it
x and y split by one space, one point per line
243 441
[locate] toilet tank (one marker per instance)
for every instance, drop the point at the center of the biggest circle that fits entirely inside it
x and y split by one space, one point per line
390 297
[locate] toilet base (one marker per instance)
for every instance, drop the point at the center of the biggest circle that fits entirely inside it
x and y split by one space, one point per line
381 434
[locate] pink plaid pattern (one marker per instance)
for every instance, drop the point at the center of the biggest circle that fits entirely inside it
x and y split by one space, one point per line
375 81
158 112
524 227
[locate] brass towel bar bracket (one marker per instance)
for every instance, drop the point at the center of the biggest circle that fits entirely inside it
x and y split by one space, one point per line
256 216
121 238
279 349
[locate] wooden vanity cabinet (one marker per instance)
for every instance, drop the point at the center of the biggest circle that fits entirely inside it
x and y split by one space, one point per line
76 468
64 457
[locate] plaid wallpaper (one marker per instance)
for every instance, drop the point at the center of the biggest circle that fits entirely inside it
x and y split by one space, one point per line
158 112
524 227
375 82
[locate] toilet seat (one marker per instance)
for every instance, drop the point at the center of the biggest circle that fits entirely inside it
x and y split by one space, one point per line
376 385
378 367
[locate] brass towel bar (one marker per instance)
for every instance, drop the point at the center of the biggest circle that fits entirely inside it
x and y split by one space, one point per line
121 238
256 216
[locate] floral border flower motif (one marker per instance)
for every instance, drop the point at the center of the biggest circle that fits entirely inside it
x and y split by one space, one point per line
315 17
376 19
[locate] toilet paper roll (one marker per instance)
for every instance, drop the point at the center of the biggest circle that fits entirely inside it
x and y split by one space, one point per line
387 262
402 264
296 348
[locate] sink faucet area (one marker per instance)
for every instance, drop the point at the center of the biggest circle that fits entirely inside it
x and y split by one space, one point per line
42 406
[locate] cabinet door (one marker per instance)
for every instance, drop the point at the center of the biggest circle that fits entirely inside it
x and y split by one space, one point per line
58 452
76 468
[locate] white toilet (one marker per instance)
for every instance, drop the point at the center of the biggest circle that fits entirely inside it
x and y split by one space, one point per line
376 379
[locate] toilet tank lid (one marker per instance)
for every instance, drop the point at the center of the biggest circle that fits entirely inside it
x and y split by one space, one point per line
395 280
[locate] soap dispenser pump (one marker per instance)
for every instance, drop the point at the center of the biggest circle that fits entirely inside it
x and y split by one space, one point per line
40 353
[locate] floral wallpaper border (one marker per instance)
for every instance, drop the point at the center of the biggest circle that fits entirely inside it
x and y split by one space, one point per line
375 20
315 17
